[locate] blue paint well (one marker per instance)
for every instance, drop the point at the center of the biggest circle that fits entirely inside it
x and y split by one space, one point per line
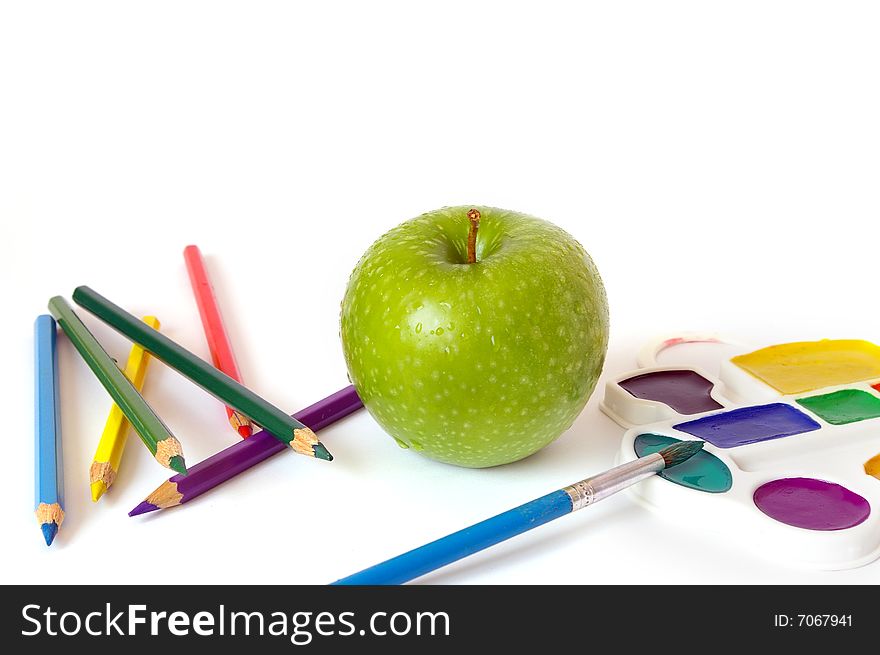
749 425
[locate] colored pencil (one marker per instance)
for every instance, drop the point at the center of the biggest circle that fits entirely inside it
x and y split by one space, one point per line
480 536
48 472
241 456
152 431
285 428
215 331
108 455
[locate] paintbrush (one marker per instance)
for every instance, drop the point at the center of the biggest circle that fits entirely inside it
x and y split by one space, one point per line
480 536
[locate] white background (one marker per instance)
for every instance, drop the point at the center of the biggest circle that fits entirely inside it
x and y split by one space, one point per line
719 161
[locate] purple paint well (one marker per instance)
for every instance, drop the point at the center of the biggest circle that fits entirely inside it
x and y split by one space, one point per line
749 425
231 461
811 504
685 391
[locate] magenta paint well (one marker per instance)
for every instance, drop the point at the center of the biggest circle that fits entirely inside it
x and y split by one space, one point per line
749 425
685 391
811 504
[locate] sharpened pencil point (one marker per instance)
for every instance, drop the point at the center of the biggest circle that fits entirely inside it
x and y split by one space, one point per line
321 452
49 532
177 464
239 421
245 431
143 508
98 490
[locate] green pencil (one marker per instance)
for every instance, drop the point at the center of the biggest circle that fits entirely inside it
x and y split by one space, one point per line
283 427
150 428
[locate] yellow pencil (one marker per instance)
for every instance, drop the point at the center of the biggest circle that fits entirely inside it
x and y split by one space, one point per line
109 453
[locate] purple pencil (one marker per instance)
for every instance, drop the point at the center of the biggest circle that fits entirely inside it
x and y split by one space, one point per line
239 457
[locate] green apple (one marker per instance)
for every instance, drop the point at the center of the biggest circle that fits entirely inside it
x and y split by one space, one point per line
475 356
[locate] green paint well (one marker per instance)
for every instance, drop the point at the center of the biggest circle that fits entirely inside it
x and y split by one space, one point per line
841 407
703 471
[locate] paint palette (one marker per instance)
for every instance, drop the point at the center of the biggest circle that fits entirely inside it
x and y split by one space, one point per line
791 465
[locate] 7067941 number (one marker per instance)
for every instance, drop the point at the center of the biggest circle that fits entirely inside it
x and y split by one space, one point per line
824 620
812 620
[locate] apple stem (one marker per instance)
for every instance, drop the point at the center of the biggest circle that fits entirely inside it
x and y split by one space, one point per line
474 217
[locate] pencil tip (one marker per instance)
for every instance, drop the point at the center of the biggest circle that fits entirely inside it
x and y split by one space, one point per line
49 531
143 508
321 452
245 431
177 464
98 490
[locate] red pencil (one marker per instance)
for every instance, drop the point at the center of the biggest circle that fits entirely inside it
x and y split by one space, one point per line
218 340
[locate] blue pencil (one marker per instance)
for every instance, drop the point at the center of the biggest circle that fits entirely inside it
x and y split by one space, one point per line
49 502
480 536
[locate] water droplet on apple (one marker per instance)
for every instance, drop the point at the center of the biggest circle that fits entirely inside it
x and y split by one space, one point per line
439 331
417 446
401 443
418 328
492 339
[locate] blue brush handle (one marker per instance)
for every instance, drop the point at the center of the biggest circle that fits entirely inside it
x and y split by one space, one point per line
458 545
49 483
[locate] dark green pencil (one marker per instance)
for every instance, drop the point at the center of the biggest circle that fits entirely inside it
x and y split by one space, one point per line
150 428
283 427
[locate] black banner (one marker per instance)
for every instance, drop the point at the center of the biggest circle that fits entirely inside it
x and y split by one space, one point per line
435 619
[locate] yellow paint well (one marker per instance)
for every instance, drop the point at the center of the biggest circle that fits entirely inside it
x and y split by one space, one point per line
809 365
872 466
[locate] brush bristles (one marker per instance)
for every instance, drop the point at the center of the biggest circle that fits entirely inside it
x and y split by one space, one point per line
680 452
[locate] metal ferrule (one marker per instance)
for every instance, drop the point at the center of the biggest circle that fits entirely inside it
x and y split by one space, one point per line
592 490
